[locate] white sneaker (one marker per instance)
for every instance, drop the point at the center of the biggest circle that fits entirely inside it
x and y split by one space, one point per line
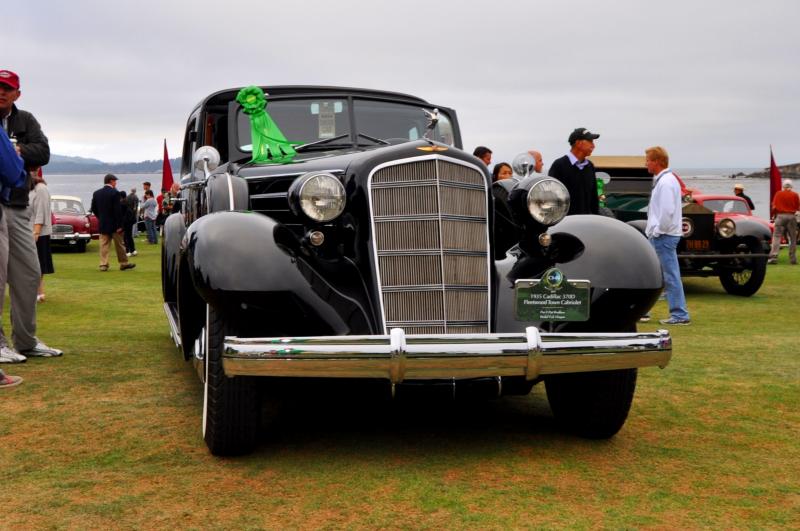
43 351
134 253
128 254
9 355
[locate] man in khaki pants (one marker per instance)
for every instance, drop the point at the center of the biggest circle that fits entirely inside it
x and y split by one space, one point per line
107 206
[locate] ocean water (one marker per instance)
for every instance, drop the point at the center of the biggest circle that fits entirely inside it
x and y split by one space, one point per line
716 180
83 185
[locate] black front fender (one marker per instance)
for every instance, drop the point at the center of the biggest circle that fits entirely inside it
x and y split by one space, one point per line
256 268
617 259
754 229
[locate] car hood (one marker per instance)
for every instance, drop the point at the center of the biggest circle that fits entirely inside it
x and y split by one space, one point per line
342 160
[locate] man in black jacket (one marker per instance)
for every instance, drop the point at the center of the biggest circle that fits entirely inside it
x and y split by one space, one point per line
107 206
16 233
739 191
576 172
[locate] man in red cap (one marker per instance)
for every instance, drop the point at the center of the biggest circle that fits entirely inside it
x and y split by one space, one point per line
22 128
16 232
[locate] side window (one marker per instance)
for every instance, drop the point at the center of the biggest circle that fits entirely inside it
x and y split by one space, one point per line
189 147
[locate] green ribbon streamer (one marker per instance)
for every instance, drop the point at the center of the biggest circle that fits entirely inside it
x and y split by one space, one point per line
269 144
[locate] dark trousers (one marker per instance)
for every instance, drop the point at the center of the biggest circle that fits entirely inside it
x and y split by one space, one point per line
130 245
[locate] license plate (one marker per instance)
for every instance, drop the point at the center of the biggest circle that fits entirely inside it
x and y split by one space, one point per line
552 298
698 245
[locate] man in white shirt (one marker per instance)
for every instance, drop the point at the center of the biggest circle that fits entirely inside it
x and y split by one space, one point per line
664 230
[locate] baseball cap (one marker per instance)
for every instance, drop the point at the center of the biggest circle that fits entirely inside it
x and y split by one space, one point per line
787 183
7 77
738 186
581 133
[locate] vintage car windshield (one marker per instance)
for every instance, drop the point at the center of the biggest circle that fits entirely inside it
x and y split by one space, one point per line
328 119
67 206
726 205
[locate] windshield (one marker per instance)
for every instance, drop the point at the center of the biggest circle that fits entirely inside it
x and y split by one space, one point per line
67 206
726 205
330 122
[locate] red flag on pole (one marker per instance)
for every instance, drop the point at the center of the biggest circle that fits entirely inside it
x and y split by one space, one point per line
774 180
166 171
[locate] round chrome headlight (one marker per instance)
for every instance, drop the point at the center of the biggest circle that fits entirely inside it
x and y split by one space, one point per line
687 227
726 228
548 201
321 196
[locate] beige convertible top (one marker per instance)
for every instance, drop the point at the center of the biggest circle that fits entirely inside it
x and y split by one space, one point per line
617 161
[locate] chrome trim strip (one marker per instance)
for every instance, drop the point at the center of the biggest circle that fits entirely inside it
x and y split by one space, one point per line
743 256
399 357
271 195
441 243
174 331
230 191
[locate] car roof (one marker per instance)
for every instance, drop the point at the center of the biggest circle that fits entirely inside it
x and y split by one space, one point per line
617 161
70 197
312 91
726 197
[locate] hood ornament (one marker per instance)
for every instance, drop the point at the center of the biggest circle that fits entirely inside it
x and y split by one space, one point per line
433 119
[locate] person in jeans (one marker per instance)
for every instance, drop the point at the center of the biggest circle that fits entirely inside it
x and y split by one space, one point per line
150 208
784 206
664 230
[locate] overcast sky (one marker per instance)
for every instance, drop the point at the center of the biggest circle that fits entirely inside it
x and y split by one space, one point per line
715 82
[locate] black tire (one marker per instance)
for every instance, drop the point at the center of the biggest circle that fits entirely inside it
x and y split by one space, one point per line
747 279
594 405
81 247
231 406
168 283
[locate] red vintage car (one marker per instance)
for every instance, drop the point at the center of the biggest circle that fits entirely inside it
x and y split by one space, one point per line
728 206
72 226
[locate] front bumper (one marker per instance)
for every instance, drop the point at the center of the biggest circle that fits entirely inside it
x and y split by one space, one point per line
70 238
398 357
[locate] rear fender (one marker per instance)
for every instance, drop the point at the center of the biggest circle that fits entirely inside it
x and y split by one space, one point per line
174 229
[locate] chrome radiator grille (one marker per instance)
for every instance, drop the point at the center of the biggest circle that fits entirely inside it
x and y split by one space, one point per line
62 228
431 245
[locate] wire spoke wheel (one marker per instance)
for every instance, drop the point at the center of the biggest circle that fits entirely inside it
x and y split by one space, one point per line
744 275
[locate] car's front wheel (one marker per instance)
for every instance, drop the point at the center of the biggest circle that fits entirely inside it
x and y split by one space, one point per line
592 404
744 276
81 246
231 406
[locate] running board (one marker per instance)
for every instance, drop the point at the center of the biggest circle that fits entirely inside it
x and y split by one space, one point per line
171 309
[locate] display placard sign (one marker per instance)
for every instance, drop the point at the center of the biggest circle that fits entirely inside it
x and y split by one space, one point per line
552 298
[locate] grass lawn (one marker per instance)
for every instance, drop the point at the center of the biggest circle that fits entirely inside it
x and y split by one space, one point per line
108 436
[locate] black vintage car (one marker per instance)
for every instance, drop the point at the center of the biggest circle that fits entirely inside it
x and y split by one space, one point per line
380 251
735 250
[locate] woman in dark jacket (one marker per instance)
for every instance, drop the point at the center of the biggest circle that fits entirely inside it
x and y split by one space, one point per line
128 221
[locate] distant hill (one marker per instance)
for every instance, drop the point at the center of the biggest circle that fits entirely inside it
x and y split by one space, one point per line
64 164
789 171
